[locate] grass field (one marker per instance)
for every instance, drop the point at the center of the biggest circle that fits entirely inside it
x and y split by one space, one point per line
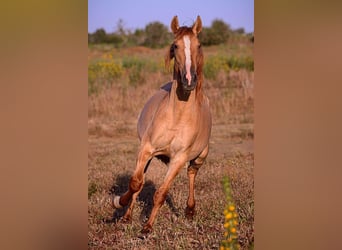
120 81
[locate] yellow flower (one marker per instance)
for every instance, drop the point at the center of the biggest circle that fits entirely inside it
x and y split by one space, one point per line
221 247
231 208
226 225
235 223
235 215
229 215
225 234
233 229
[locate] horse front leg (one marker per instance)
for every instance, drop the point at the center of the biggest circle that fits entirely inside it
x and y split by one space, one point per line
136 182
128 215
160 195
192 172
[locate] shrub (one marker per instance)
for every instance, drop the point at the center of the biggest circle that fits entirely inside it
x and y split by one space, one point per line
213 65
136 68
157 35
237 63
218 33
102 74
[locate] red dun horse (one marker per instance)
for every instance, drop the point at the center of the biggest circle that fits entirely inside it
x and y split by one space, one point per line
174 125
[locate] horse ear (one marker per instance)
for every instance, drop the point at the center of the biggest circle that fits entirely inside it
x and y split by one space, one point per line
197 27
174 24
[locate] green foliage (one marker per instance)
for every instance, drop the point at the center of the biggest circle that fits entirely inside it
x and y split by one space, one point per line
240 31
218 33
102 74
136 68
137 38
100 36
237 63
157 35
216 63
213 65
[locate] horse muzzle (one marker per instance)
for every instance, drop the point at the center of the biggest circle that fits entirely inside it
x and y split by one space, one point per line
189 83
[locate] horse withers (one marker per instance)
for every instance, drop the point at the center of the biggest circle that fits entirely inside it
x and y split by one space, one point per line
174 124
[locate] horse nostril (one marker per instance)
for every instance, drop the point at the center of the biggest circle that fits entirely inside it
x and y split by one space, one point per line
184 78
194 77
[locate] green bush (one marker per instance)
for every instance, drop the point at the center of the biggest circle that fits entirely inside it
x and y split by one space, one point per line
237 63
216 63
218 33
157 35
102 74
137 66
213 65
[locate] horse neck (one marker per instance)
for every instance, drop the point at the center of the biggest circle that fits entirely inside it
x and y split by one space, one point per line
181 106
196 93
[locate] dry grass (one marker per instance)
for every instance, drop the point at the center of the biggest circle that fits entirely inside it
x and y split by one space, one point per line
113 145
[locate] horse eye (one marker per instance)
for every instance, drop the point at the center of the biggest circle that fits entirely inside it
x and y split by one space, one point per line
175 46
199 46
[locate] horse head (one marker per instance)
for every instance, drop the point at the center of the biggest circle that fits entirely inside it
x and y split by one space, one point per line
187 53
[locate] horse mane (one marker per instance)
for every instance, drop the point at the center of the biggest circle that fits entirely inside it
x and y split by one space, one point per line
183 31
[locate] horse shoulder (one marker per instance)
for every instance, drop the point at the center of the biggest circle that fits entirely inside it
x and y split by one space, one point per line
149 110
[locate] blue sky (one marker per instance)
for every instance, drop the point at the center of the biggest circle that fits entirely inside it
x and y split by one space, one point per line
137 14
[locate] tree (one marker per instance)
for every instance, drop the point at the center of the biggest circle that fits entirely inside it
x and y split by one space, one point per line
120 28
240 31
221 30
218 33
137 38
99 36
157 35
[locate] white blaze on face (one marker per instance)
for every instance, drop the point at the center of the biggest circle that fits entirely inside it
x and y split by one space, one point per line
187 58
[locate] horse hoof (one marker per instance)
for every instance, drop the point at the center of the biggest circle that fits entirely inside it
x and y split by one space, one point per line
126 220
116 202
189 214
146 230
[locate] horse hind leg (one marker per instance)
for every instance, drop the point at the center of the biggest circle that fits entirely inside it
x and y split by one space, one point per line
192 172
190 208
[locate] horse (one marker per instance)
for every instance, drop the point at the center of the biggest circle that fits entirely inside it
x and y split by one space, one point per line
174 125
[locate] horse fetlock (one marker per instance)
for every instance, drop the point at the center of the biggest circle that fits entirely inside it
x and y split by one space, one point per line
127 219
116 202
147 229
